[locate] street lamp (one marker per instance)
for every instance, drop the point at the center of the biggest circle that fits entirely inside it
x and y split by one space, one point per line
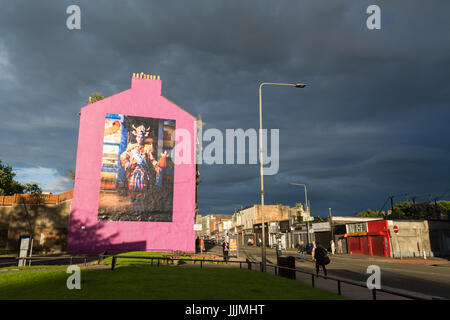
263 247
306 192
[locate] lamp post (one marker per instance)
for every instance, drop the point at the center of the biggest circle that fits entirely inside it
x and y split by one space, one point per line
306 192
263 246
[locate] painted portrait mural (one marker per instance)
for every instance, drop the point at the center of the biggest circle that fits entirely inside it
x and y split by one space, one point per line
137 173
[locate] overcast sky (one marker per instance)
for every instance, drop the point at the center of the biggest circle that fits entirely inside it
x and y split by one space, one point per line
372 122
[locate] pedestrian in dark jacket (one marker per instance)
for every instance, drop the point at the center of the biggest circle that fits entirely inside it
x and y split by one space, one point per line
301 251
322 259
225 248
197 245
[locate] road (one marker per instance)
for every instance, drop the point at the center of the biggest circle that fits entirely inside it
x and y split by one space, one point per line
411 275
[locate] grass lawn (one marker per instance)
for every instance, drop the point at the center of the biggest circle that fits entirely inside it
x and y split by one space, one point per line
163 283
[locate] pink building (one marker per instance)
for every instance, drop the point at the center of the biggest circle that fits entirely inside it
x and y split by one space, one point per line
130 191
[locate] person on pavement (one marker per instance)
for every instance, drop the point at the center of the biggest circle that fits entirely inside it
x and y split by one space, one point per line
322 259
279 248
225 248
313 250
340 246
333 247
197 245
301 251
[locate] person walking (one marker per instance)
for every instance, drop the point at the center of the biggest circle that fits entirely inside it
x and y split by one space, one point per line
333 247
202 245
301 251
225 248
313 251
279 248
340 246
322 259
197 245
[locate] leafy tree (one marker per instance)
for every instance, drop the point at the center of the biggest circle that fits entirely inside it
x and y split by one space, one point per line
445 205
409 210
31 188
71 174
95 97
401 210
9 186
371 214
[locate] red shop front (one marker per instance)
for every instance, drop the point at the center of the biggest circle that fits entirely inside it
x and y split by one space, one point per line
374 242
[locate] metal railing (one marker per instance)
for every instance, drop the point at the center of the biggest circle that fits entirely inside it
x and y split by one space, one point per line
248 263
40 259
339 281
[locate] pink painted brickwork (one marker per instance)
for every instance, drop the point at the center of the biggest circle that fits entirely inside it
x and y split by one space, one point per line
86 233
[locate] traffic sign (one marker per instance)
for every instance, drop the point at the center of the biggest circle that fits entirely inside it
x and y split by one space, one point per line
395 229
308 218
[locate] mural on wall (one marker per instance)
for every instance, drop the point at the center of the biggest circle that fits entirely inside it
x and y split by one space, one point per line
137 171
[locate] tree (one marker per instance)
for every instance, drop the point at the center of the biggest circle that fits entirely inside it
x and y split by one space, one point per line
95 97
371 214
445 205
409 210
9 186
71 174
31 188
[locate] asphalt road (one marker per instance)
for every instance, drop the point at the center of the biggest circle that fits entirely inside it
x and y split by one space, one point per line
409 275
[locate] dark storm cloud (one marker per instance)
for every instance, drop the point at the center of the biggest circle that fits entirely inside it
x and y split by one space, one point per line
372 122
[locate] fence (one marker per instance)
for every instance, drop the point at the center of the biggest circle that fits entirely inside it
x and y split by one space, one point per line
277 268
36 198
249 265
68 259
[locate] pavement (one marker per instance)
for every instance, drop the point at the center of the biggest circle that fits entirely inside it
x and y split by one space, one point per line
416 276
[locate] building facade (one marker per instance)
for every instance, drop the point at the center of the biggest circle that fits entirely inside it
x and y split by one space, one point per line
135 181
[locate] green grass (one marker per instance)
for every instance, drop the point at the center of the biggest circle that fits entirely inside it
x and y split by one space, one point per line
163 283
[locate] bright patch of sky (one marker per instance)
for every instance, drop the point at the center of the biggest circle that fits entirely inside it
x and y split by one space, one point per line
49 179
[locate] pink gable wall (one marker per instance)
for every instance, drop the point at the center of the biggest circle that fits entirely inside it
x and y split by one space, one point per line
143 99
